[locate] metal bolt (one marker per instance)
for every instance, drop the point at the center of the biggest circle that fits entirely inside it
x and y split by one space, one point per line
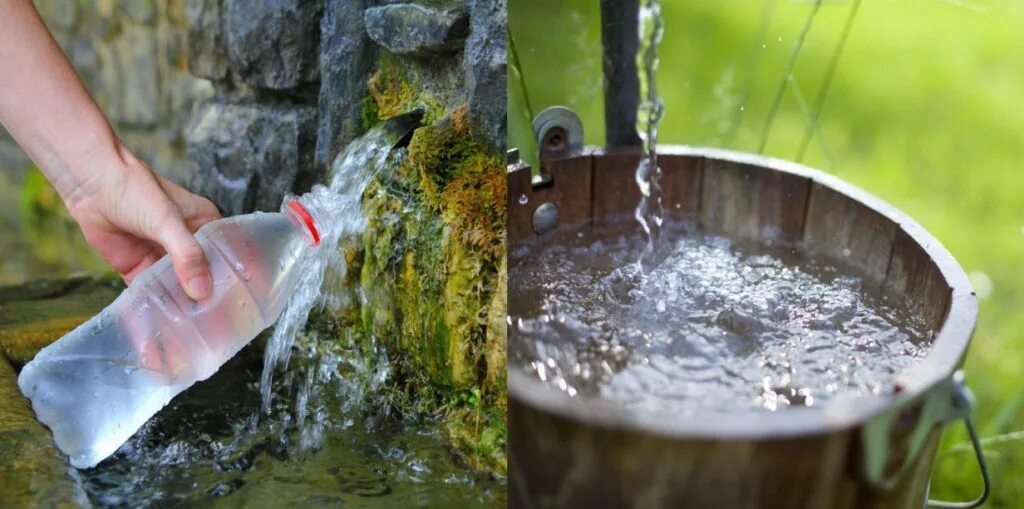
545 218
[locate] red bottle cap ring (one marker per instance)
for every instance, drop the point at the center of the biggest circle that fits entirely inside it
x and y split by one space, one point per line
307 219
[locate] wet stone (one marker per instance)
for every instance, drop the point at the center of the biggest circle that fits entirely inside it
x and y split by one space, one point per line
419 29
32 473
34 314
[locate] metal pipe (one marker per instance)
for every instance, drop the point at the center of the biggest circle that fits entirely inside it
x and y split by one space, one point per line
620 40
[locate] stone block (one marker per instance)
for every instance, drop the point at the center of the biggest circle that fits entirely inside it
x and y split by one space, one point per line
140 11
485 67
135 56
346 61
37 313
207 47
248 156
273 44
419 29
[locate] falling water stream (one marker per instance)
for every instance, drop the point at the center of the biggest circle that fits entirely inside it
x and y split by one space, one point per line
649 211
306 434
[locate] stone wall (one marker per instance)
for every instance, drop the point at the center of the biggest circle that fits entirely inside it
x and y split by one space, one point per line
131 54
291 82
245 101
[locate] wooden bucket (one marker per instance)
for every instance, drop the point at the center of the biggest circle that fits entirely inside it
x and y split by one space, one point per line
875 452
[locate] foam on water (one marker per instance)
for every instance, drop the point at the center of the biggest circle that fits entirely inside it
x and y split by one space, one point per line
710 326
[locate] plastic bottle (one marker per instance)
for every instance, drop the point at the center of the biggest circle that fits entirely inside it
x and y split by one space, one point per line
96 386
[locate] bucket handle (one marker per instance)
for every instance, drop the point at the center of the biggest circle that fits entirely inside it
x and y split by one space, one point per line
892 440
978 454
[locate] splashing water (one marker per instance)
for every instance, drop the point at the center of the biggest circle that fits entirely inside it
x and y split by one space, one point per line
712 327
649 212
203 452
339 203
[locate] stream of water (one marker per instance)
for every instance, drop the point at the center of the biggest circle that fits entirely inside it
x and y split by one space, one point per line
649 212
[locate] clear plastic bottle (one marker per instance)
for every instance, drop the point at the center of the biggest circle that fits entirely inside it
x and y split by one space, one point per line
100 383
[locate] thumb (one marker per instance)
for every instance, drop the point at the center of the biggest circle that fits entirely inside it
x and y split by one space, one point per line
187 256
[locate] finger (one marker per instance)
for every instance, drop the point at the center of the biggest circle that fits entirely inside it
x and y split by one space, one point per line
196 210
187 256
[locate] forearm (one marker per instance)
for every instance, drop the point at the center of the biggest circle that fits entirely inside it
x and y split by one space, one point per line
45 106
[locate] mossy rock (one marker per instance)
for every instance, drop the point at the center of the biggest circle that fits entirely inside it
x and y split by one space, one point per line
32 472
34 314
430 275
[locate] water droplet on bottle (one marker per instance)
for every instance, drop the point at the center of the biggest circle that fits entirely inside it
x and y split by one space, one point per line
846 253
523 199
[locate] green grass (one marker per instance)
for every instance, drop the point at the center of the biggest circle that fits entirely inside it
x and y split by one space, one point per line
924 110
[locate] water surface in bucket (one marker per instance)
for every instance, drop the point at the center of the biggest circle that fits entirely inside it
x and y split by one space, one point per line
708 326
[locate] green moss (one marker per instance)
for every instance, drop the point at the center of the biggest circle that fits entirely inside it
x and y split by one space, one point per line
463 180
391 92
429 271
369 112
497 336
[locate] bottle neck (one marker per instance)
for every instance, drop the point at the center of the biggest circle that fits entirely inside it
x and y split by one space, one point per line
306 217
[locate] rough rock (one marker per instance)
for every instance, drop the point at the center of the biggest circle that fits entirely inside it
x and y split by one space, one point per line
36 313
421 30
135 54
32 472
485 66
32 315
274 44
346 60
207 49
140 11
248 156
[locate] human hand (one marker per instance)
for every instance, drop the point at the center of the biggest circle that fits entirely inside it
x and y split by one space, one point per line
131 216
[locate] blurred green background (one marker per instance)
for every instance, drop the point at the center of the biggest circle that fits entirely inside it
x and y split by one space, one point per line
924 109
38 238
